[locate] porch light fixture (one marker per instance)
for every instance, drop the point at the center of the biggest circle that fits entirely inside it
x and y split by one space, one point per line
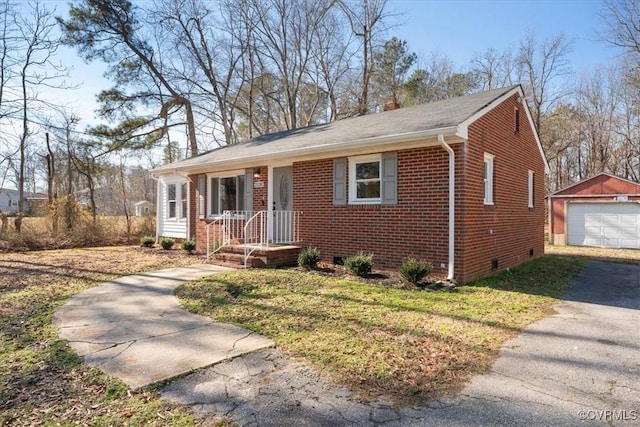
256 173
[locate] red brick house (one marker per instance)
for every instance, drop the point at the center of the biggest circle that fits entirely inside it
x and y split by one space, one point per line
603 211
458 182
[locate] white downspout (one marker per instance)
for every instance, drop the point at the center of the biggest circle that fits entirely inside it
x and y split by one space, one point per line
452 207
158 192
270 206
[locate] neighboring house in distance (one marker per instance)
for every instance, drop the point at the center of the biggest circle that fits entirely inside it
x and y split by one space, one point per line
458 182
104 200
9 200
143 208
34 203
603 211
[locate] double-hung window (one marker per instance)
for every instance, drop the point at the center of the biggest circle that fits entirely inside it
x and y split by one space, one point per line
177 200
171 200
226 193
365 179
488 179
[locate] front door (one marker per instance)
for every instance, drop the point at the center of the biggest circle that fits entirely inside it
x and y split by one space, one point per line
282 224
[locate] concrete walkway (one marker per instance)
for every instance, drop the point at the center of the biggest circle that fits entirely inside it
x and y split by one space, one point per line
134 329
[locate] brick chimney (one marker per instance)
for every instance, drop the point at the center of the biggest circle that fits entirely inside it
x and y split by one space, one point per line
392 104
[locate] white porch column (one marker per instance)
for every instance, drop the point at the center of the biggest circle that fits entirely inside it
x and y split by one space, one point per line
270 201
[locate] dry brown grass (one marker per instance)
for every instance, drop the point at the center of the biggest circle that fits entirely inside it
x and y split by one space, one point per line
42 381
600 254
37 233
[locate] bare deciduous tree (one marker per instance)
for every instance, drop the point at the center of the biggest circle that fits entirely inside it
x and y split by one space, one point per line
541 66
622 25
493 69
367 18
36 43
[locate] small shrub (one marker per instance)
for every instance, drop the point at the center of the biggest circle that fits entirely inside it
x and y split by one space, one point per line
309 257
167 243
360 264
189 246
414 270
147 241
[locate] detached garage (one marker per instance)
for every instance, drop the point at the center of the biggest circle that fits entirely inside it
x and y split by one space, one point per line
601 211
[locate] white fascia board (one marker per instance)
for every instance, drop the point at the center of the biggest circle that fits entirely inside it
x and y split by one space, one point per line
591 196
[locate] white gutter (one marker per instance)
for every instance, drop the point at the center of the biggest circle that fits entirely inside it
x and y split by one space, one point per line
452 208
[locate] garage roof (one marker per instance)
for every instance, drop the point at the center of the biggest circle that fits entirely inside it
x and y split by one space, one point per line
600 184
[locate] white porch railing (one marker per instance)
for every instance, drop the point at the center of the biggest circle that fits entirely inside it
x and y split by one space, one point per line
253 229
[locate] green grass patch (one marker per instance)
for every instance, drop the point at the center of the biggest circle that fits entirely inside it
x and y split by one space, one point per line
406 344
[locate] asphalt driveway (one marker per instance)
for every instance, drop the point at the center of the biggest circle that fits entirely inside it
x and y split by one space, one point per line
578 367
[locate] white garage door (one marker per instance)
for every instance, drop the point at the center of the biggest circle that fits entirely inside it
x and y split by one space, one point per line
608 225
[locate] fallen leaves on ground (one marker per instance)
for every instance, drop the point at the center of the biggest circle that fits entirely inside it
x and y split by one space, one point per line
42 381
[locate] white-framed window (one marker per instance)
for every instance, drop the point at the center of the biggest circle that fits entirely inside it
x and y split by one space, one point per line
226 192
171 200
488 178
531 187
177 200
365 179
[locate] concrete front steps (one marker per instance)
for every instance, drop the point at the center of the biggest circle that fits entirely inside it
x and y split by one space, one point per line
273 256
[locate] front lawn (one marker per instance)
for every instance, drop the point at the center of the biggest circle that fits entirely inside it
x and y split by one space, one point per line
42 381
405 344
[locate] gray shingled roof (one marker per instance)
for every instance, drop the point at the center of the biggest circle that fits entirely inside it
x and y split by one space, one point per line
444 114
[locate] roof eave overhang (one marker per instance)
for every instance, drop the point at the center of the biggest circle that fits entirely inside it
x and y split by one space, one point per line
399 141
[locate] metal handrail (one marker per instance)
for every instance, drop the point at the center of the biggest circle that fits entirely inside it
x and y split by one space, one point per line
255 232
252 229
220 234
